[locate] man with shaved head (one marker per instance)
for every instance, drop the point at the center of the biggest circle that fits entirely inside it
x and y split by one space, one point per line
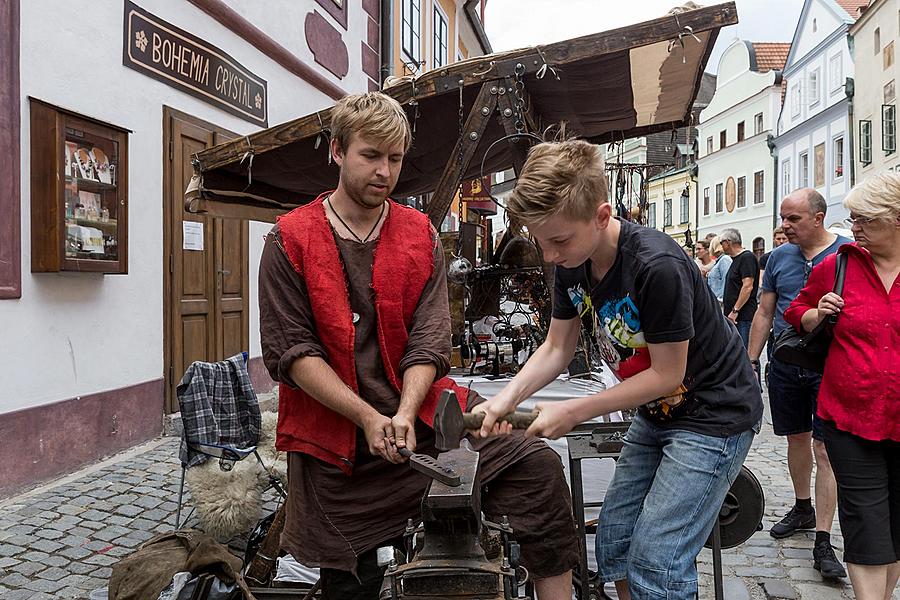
792 390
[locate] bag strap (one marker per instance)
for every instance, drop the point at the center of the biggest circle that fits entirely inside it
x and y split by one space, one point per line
840 270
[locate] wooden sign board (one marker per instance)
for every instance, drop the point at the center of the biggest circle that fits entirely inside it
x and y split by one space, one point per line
166 53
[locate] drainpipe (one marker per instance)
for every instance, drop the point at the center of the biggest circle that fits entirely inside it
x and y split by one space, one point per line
387 39
770 142
693 175
849 89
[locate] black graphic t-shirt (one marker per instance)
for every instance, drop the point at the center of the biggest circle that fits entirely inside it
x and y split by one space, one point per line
654 294
743 265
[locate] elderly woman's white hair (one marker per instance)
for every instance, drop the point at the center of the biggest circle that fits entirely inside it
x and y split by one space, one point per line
878 197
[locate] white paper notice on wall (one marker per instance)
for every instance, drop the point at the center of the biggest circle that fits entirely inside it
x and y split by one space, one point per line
193 235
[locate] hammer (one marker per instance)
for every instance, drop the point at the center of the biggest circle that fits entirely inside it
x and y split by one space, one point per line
450 422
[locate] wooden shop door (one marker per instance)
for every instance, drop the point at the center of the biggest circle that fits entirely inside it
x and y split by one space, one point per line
206 262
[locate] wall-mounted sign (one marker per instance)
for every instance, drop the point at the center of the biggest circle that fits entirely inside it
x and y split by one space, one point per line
166 53
819 169
729 194
476 193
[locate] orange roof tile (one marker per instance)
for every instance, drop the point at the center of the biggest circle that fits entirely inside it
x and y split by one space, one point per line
771 56
853 6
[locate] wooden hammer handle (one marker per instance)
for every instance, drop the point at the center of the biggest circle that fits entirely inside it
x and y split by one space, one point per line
519 420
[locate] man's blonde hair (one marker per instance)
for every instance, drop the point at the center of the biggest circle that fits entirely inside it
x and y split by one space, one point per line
878 197
559 178
372 115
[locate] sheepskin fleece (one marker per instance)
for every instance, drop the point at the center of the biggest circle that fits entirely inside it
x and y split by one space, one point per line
229 503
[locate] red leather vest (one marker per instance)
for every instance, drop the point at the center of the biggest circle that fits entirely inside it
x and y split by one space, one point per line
402 266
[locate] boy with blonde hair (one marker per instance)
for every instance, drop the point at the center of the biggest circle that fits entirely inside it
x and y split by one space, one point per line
355 325
656 323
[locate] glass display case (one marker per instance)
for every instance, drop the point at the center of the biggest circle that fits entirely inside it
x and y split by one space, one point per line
79 192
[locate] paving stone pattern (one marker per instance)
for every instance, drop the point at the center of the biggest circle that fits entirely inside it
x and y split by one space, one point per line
60 540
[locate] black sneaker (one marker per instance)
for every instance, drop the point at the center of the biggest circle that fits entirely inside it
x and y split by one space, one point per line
826 563
794 521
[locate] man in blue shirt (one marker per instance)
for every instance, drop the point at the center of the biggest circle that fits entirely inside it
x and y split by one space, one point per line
792 390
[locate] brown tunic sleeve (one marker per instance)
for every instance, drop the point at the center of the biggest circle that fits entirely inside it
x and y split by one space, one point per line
286 327
429 337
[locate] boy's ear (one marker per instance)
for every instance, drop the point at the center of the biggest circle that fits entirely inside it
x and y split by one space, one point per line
604 213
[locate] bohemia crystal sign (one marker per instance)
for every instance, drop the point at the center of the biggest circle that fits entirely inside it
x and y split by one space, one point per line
166 53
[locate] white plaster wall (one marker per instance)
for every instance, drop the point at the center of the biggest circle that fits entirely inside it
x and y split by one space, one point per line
285 22
743 110
830 92
804 138
826 22
670 188
871 77
739 159
742 161
735 83
75 334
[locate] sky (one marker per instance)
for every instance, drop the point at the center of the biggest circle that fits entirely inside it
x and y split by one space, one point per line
516 23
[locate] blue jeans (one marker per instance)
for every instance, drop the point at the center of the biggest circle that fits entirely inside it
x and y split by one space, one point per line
743 328
661 505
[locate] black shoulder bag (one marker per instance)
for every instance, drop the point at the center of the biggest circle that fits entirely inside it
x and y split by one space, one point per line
809 351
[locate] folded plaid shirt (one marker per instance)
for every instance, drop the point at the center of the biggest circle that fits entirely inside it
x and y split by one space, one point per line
218 406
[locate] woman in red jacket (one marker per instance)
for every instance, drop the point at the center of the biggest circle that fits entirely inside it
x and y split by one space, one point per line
858 399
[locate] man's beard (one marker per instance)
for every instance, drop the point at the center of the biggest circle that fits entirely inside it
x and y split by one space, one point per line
368 202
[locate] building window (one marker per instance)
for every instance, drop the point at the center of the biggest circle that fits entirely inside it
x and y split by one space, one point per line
719 198
877 40
865 142
836 72
709 145
814 87
705 201
651 215
795 100
888 128
742 192
667 212
685 207
758 180
803 170
786 178
741 131
441 37
888 58
723 139
412 27
757 124
838 158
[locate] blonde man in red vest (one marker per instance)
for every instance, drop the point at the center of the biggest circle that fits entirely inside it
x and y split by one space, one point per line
355 326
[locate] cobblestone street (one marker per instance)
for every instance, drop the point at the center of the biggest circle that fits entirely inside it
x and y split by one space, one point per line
60 540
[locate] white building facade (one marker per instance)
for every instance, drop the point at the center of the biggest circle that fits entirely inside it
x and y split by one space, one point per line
874 106
735 164
814 138
91 359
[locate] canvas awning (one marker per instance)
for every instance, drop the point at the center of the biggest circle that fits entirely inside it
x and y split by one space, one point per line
607 86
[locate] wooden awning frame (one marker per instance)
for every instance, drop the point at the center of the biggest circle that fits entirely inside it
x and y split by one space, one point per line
492 75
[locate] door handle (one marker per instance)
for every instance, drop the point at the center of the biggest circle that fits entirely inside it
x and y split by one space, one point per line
223 272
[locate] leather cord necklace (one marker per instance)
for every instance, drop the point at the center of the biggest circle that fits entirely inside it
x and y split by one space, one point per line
347 227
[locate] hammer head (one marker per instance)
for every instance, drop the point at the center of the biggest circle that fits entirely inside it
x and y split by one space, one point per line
448 422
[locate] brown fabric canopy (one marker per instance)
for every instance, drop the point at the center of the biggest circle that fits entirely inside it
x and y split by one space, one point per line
607 86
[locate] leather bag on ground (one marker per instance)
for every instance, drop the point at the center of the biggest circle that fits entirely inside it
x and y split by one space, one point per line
147 572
